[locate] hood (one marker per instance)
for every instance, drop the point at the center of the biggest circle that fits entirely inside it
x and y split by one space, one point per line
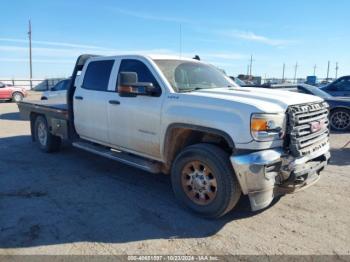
266 100
339 99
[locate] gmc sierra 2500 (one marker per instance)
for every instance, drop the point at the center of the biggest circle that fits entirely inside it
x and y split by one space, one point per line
186 118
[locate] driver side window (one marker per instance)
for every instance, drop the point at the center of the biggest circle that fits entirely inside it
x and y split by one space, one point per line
143 72
343 85
57 87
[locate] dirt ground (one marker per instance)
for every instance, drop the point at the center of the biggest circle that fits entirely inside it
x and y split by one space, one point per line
73 202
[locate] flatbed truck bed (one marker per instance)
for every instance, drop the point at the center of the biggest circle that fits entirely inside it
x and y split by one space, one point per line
55 114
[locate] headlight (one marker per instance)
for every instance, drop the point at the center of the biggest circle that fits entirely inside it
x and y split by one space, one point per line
268 127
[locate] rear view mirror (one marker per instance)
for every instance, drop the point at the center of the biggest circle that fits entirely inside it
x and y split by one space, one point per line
130 86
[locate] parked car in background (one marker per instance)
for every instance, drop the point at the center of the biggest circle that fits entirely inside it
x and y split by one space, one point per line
339 116
58 92
47 84
10 92
339 87
242 83
238 81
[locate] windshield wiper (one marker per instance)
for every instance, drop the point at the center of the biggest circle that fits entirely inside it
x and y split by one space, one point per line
193 89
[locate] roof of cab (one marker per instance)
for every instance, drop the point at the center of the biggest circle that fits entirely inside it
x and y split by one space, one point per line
151 56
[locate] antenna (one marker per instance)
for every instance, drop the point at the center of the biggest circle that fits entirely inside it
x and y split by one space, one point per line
180 40
30 53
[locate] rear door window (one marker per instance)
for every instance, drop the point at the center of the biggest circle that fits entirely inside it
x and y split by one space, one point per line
97 75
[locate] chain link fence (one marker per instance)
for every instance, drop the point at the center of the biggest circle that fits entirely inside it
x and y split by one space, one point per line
33 84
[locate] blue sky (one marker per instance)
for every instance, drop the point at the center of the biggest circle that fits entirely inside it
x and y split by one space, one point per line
224 33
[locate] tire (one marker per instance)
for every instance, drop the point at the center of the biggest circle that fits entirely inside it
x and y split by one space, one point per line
17 97
46 141
340 119
223 190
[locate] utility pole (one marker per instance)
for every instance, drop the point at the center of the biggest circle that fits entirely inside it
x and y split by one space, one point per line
336 70
30 54
295 72
251 66
284 68
328 70
315 66
248 66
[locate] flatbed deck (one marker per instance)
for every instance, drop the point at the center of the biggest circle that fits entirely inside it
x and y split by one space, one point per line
44 107
56 115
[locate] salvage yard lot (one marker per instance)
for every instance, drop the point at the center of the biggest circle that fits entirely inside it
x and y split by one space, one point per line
74 202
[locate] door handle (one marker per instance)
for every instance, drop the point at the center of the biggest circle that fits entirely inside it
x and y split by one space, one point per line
114 102
79 97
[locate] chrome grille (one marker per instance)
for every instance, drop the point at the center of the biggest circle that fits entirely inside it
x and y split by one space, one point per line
308 128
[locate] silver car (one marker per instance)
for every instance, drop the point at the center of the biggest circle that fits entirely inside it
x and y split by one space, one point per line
57 93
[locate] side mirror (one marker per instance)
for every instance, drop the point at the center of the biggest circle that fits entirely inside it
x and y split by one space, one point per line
130 86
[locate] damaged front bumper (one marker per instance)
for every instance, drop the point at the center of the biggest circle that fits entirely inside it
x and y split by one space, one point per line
266 174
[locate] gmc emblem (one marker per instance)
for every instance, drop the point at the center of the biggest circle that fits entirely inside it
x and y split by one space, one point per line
317 126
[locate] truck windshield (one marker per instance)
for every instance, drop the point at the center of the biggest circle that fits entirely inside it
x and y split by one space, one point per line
186 76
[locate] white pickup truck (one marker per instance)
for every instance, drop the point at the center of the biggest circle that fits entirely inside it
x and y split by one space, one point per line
185 118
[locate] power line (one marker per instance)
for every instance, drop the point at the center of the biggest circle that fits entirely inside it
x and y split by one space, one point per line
328 70
295 71
251 66
336 70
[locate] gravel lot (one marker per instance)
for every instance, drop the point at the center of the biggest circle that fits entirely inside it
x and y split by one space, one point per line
74 202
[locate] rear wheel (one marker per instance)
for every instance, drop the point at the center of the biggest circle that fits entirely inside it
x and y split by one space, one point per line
17 97
47 142
340 119
204 181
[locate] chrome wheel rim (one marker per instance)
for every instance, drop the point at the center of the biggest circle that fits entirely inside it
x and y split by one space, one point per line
42 133
340 120
199 183
18 97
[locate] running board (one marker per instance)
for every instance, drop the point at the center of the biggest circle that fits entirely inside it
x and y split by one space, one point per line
122 157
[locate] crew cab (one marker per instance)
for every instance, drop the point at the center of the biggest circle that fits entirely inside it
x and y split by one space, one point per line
185 118
10 92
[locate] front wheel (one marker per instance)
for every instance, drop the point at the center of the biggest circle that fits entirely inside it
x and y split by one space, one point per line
17 97
340 119
203 180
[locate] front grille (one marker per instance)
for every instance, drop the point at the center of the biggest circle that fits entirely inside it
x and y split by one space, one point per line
308 128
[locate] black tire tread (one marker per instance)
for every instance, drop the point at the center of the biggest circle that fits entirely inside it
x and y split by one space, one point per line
219 156
53 142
